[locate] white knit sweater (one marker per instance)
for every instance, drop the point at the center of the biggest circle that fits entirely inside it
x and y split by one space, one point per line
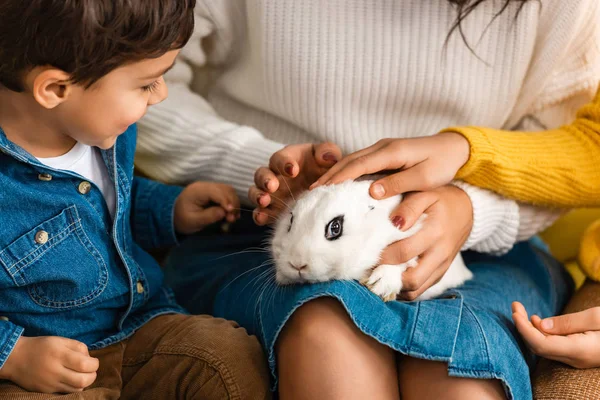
260 74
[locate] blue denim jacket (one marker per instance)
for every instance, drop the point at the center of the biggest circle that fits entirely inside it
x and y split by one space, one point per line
68 269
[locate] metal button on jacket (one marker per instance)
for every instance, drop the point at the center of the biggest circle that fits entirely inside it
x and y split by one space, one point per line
45 177
140 287
41 237
85 187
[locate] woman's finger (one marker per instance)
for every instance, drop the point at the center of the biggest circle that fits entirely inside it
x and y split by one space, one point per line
266 180
287 161
327 154
411 208
409 180
258 197
587 320
264 216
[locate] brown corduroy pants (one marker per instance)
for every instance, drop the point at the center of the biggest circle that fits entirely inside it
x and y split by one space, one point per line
174 357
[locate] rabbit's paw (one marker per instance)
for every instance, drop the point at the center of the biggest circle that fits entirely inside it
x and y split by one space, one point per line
386 279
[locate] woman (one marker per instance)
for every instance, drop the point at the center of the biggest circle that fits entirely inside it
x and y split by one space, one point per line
351 73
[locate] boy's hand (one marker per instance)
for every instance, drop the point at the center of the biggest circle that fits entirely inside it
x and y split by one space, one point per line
193 209
290 172
573 339
50 364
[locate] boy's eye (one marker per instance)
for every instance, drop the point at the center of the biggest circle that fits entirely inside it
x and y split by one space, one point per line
334 228
151 87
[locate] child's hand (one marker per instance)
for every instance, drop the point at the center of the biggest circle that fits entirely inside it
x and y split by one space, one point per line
193 209
425 163
573 339
50 364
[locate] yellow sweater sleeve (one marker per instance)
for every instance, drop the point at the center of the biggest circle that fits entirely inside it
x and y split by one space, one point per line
556 168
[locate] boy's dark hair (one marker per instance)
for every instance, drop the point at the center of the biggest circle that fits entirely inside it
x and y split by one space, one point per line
87 38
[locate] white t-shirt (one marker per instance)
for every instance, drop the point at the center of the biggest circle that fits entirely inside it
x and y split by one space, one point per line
87 162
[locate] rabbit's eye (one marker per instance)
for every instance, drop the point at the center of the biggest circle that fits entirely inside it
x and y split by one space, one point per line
334 228
291 222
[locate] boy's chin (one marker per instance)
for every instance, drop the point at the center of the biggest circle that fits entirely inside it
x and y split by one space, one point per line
108 143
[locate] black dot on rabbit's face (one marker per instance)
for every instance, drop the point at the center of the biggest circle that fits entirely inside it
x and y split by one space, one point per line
334 228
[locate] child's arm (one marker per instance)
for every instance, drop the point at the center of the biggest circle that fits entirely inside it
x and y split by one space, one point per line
555 168
49 364
559 167
160 212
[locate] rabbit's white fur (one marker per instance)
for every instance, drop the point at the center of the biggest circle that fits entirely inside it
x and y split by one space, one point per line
367 231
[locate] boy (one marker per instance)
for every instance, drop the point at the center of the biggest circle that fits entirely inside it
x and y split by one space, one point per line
83 307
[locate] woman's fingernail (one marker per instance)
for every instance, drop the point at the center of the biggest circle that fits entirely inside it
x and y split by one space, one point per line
398 221
330 157
289 169
547 324
229 207
378 190
267 184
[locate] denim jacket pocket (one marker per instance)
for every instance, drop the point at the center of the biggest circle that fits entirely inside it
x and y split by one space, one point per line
57 263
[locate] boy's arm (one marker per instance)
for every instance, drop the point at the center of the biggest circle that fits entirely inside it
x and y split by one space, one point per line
559 167
152 207
9 334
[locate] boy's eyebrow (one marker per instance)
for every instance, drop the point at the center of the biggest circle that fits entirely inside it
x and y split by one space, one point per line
161 73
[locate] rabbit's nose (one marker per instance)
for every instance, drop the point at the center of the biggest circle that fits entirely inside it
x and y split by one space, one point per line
298 267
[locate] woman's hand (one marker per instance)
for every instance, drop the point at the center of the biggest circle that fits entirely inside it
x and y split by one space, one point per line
290 172
573 339
445 230
425 163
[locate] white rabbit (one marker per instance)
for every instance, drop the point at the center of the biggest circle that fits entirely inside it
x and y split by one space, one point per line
339 232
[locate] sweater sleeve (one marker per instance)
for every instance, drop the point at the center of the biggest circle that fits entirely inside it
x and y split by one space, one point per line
559 168
183 139
563 75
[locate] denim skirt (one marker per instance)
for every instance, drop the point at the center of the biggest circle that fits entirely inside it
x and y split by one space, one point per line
230 275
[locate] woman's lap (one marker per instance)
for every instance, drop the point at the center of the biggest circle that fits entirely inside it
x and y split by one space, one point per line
469 328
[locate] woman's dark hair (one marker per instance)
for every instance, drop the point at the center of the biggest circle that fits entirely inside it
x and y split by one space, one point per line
87 38
465 7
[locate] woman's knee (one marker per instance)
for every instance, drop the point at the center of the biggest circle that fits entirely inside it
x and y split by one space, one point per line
424 379
316 324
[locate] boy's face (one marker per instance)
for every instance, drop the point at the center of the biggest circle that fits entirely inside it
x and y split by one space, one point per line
98 115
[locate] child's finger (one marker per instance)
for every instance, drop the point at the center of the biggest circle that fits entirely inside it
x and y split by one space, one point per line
76 345
546 346
587 320
77 380
223 195
519 308
80 363
209 216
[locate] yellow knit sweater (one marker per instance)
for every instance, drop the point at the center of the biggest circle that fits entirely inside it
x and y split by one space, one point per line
556 168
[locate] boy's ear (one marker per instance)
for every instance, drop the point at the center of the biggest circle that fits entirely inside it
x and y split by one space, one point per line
51 87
